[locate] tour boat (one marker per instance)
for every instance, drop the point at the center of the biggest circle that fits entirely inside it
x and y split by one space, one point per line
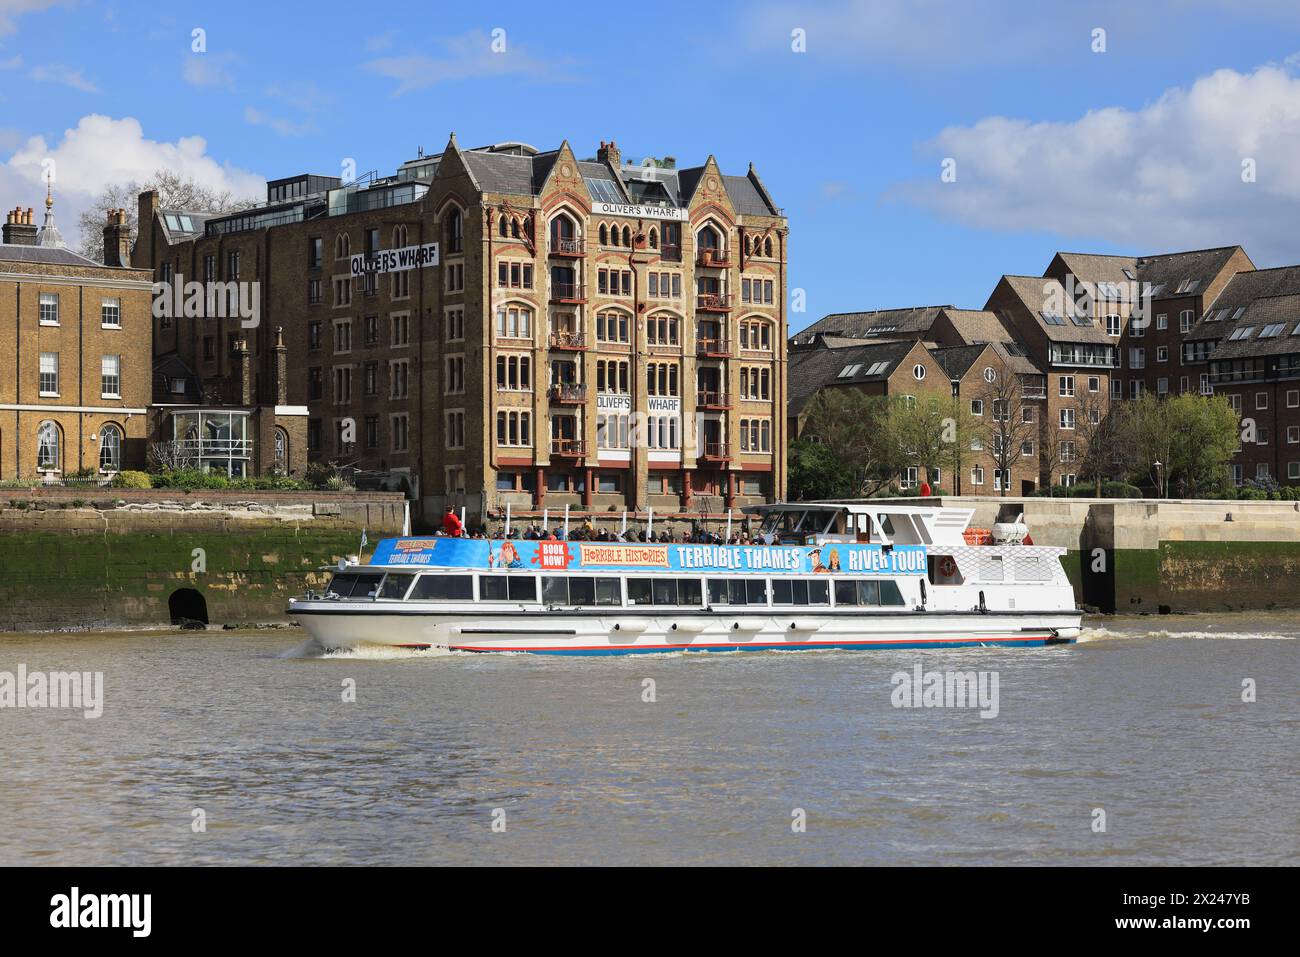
834 576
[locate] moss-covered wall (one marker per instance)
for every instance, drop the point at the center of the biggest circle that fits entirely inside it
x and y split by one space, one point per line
79 567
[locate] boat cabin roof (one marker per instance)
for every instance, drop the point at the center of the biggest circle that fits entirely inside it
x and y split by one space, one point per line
889 524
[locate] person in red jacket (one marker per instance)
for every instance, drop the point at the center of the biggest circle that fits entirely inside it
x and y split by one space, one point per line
925 489
451 524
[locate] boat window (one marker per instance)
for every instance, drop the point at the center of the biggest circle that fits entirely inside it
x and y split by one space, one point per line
395 586
555 590
885 524
507 588
582 591
665 591
689 591
868 592
442 587
799 591
638 591
890 593
607 592
354 585
756 591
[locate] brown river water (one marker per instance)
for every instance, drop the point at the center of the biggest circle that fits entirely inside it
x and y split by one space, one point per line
748 758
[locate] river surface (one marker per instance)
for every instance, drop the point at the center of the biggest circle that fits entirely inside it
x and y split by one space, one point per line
516 759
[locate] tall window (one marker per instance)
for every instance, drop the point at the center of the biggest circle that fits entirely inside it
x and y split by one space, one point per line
49 373
110 377
455 231
281 463
110 313
47 447
110 449
49 309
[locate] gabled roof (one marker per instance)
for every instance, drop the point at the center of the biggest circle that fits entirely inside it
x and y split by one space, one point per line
957 360
1094 268
813 369
978 325
1036 292
747 196
175 221
912 323
508 173
1191 271
167 368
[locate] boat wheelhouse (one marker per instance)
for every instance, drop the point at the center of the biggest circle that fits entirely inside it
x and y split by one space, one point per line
822 575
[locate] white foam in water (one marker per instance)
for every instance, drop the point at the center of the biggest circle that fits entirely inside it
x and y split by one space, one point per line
1104 634
313 649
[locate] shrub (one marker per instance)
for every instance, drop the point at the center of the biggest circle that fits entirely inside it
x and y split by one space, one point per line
1252 495
1120 490
132 480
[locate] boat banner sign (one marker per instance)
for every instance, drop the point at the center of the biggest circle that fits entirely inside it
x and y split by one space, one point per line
835 557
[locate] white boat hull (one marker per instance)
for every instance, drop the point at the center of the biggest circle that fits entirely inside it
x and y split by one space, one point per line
342 624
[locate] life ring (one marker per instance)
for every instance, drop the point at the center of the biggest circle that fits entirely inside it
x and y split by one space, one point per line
947 567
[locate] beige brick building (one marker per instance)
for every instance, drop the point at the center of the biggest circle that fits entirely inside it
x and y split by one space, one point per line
75 362
501 324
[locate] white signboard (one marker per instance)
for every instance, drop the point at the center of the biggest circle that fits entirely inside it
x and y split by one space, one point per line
664 404
396 260
606 402
641 212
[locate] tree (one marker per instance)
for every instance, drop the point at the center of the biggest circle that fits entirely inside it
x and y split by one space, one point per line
175 191
844 451
1193 437
928 431
1003 428
1099 426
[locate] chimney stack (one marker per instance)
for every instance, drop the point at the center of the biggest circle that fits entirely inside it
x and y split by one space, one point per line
608 153
117 240
19 230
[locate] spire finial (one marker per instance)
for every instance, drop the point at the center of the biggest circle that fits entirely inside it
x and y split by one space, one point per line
49 189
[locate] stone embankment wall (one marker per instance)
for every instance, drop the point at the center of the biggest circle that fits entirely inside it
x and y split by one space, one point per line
72 558
1143 555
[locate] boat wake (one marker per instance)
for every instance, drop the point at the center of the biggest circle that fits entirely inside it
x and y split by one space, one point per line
1108 634
311 648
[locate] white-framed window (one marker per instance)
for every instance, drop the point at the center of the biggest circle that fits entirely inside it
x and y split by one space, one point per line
1293 470
908 477
514 428
398 378
1207 388
49 308
1138 328
1261 400
1135 389
110 377
1185 320
514 372
110 449
1162 321
918 372
1113 325
49 374
976 406
1001 479
1292 398
1137 358
110 313
1237 475
48 447
1162 386
1067 418
1094 383
1261 471
1065 385
514 322
977 475
1292 434
1162 353
1027 449
1068 479
990 374
1116 389
1067 452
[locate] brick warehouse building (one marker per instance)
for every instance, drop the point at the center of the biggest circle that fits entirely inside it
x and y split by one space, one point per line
75 372
1214 324
500 325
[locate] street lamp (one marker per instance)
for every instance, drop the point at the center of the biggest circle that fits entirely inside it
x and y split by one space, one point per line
1160 485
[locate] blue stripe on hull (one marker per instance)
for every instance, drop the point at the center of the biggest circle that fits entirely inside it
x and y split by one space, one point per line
849 646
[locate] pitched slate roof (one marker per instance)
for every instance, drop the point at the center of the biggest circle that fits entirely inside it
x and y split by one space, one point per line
507 173
978 325
45 255
911 323
1094 268
1241 290
1035 292
1167 272
812 369
1263 313
748 197
957 360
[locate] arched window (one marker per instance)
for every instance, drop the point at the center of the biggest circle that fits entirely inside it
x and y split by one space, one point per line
767 247
749 246
342 246
503 227
604 235
48 453
110 449
399 236
654 238
281 462
514 228
455 230
627 236
708 238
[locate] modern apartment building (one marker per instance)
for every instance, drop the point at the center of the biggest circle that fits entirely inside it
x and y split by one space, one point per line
504 325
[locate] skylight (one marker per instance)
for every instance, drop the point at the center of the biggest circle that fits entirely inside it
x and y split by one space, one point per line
1272 330
1237 315
850 371
1052 318
878 367
604 191
1243 332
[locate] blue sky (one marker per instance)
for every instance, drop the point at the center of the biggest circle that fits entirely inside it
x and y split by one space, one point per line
1139 149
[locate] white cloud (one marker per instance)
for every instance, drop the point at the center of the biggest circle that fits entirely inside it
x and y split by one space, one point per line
469 56
1164 177
11 10
12 63
209 70
102 151
281 125
63 75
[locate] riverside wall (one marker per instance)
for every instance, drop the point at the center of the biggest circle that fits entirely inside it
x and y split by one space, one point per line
1149 555
74 558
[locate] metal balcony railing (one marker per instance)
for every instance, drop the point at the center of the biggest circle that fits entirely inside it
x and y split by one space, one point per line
574 341
568 448
568 247
713 301
569 392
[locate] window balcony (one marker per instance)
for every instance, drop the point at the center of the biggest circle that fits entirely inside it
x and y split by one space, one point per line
568 341
569 248
713 302
713 348
670 252
712 258
568 292
568 393
712 399
716 452
568 448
